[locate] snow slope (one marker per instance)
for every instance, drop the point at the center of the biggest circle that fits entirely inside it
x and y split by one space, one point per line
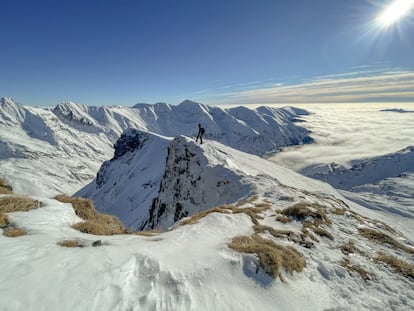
366 171
61 149
190 267
384 183
174 178
187 267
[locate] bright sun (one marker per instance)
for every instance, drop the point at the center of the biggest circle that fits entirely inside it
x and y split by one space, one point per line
395 11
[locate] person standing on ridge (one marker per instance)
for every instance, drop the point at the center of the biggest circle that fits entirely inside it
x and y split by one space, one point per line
201 131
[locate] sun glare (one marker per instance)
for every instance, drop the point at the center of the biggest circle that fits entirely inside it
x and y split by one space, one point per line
395 11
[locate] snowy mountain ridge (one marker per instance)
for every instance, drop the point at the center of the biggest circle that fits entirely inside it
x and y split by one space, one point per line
68 143
274 240
345 260
173 178
365 171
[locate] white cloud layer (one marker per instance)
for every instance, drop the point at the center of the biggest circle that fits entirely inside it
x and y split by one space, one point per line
344 132
366 86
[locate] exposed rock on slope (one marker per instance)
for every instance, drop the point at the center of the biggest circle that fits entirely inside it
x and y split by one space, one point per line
191 184
127 184
153 181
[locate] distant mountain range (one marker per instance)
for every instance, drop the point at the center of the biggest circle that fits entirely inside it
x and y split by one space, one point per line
60 149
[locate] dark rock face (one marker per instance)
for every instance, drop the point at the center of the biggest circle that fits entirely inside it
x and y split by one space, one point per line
64 112
190 184
179 182
102 176
130 140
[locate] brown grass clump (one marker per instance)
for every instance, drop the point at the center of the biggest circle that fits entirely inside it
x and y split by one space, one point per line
149 233
307 225
400 266
305 210
363 220
338 211
4 221
349 248
274 232
283 218
95 222
322 232
5 188
272 257
196 217
355 268
14 203
70 243
263 205
382 238
248 200
252 212
12 232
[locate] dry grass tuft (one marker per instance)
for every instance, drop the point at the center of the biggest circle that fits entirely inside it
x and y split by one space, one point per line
355 268
349 248
149 233
5 188
266 205
252 212
272 257
283 218
14 203
95 222
382 238
70 243
305 210
307 225
274 232
248 200
322 232
196 217
338 211
12 232
4 221
400 266
364 220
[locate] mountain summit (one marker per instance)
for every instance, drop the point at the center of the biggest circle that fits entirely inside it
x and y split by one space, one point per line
153 181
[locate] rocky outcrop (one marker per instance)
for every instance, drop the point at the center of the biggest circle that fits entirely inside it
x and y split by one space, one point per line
130 140
191 184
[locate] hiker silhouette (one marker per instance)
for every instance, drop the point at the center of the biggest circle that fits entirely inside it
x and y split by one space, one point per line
201 131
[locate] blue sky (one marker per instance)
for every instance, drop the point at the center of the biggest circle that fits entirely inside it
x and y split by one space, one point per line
103 52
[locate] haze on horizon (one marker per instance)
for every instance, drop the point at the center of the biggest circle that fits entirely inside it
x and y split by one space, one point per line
216 52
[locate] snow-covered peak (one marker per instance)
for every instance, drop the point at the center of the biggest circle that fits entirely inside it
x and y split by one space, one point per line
72 112
7 101
175 178
189 105
86 134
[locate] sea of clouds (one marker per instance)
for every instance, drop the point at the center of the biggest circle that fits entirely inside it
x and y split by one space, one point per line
345 132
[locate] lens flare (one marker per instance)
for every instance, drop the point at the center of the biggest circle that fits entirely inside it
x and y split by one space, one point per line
394 12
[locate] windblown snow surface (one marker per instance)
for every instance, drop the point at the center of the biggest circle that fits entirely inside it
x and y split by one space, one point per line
366 152
191 266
